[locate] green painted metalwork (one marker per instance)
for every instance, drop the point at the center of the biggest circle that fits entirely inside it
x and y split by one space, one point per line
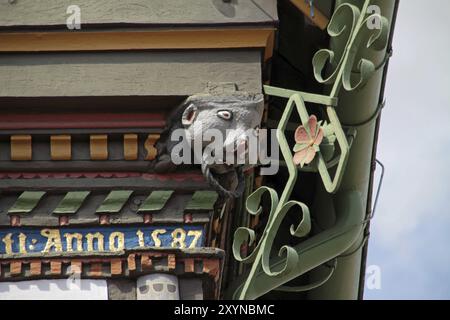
26 202
202 200
351 23
155 201
115 201
71 202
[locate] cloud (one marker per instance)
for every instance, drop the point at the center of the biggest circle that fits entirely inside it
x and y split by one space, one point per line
410 230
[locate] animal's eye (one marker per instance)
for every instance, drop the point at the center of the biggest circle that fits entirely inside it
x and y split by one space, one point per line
225 114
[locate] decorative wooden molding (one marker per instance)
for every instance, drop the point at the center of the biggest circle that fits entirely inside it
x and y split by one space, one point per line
22 121
21 148
116 267
149 145
35 268
148 218
55 267
212 267
189 265
104 219
15 220
319 19
96 269
99 147
130 146
171 261
146 263
64 220
131 260
76 266
111 267
15 268
229 38
60 147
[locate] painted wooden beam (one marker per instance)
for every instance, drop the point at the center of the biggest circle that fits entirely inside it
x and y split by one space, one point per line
72 120
106 74
139 40
130 146
150 148
99 146
35 13
60 147
21 147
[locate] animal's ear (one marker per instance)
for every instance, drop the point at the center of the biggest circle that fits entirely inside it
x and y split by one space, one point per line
189 115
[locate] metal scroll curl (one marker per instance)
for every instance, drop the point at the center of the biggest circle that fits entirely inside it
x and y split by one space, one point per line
357 32
244 236
338 27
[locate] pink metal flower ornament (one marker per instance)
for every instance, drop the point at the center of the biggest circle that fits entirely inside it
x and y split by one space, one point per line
307 138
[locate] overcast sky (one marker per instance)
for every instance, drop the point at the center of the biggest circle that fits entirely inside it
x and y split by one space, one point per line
410 236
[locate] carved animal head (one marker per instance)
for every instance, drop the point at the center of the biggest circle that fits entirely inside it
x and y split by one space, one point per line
233 115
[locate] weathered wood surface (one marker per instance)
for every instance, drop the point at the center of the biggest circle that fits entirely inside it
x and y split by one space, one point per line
126 73
153 12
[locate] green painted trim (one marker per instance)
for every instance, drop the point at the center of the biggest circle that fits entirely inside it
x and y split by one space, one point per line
155 201
115 201
71 202
202 200
307 97
26 202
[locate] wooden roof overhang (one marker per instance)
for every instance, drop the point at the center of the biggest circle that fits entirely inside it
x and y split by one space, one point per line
161 49
124 47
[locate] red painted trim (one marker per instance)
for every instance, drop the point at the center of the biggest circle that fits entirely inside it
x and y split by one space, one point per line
82 121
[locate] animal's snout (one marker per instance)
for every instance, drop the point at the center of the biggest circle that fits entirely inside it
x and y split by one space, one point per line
240 144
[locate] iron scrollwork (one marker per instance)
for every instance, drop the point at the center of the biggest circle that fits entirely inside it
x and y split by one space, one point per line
350 22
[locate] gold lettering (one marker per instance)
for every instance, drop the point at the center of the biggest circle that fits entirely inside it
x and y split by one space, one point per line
90 241
69 240
8 243
120 241
53 240
155 237
22 243
196 234
140 235
179 237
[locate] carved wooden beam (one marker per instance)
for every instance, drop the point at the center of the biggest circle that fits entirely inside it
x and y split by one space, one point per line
230 38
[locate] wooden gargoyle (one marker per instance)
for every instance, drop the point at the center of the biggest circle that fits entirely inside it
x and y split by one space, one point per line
214 131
